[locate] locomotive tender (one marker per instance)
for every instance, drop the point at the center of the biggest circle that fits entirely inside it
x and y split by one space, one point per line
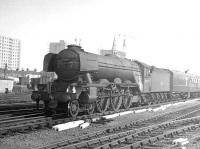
87 82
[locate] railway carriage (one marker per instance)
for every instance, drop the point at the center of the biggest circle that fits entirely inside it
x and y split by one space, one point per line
89 82
188 85
161 85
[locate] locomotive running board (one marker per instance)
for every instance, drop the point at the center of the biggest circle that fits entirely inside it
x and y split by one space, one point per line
128 85
105 85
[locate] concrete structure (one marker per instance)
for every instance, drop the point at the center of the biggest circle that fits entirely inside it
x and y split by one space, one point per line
10 53
6 83
56 47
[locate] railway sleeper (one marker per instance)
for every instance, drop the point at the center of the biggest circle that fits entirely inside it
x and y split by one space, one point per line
122 127
22 127
135 138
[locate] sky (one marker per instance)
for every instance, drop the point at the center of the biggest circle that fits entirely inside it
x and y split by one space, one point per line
163 33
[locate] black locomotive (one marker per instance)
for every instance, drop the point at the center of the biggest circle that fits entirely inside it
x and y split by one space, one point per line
87 82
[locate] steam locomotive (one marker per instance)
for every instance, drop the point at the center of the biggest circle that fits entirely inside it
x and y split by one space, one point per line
88 82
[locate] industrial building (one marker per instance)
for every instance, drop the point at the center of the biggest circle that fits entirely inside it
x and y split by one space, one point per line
10 49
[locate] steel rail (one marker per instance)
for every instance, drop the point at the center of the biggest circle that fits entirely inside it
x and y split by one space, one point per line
164 138
148 135
115 132
25 124
8 125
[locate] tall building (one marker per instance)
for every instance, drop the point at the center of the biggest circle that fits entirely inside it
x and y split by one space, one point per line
10 49
56 47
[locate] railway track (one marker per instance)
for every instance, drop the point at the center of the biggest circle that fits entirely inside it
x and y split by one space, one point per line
108 138
8 117
15 106
156 136
170 133
31 121
16 109
15 98
194 139
20 110
8 126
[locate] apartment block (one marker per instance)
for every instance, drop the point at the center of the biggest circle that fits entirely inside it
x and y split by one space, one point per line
10 49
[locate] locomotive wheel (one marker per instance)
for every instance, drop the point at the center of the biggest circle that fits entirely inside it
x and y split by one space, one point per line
127 101
166 96
90 108
102 104
116 103
73 108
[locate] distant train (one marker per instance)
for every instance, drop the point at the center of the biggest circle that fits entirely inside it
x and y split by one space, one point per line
88 82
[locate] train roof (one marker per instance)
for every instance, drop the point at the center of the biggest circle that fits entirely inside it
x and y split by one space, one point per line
189 74
141 63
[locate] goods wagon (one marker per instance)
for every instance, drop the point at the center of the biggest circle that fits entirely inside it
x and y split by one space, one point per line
186 84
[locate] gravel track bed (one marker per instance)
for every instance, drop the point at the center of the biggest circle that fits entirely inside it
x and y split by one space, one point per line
48 136
191 144
193 138
16 101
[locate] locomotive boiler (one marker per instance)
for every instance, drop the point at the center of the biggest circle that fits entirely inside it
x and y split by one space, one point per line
74 62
